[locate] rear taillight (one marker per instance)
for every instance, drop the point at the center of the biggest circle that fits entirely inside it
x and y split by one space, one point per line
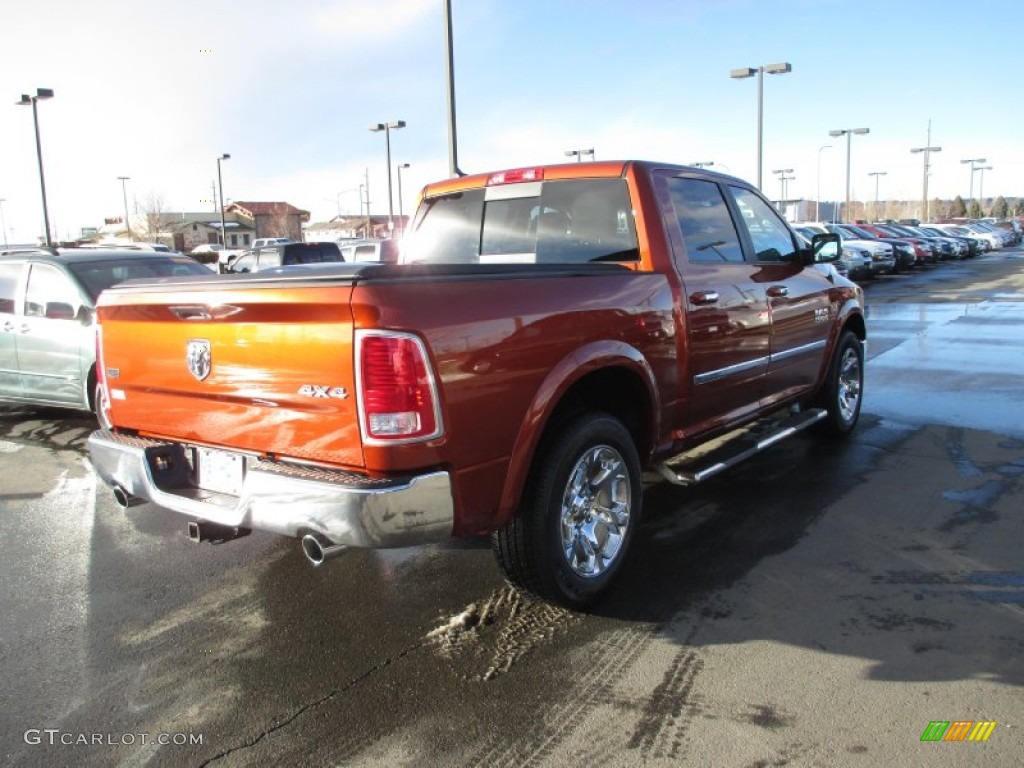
396 388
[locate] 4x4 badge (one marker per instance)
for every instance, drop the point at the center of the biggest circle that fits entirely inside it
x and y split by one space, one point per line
198 358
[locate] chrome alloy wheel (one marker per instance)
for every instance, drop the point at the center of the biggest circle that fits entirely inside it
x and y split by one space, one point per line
595 511
849 384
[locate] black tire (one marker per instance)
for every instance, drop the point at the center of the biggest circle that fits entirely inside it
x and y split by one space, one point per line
843 392
578 516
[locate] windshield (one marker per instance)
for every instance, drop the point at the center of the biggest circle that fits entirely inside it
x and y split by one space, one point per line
95 276
552 222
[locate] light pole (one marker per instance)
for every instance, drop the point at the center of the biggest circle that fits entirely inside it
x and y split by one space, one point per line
981 186
220 188
453 153
3 224
926 150
705 164
972 161
783 178
579 153
744 72
386 127
848 133
26 100
124 196
876 174
401 214
817 195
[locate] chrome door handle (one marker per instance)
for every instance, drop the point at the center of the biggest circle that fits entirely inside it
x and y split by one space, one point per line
8 327
777 291
704 297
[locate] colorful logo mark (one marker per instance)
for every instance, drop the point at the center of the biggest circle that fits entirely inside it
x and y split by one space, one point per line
958 730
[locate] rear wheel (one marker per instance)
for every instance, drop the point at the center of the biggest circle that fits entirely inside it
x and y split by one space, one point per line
843 390
579 514
98 401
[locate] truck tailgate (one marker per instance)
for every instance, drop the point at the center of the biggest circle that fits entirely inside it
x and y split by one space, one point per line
259 368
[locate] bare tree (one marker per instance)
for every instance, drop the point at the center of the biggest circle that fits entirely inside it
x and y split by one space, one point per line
157 224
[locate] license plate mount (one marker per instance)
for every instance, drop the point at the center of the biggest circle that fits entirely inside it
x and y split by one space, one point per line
220 471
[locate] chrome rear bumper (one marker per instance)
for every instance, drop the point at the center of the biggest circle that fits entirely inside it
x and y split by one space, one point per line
342 508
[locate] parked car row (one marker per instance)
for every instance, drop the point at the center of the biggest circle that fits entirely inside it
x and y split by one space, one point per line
898 247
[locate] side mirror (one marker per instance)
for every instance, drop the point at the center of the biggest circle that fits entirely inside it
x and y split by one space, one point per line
58 310
825 248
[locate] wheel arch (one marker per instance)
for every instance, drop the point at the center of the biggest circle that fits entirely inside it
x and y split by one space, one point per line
606 377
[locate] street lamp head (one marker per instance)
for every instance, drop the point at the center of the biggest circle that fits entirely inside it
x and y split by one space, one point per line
44 93
836 133
739 74
861 131
985 168
403 165
25 101
225 156
973 160
779 69
377 127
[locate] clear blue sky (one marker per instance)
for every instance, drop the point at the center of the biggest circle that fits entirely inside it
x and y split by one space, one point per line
157 90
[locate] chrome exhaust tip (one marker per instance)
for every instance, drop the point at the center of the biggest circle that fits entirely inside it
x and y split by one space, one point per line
318 549
125 499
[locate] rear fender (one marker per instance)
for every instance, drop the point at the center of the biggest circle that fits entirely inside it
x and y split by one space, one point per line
594 357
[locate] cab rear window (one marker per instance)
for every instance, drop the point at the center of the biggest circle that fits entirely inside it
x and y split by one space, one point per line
551 222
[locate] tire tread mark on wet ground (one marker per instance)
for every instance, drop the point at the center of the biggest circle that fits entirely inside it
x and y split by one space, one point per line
662 719
614 657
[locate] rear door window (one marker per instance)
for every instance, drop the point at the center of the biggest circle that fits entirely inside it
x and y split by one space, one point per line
705 223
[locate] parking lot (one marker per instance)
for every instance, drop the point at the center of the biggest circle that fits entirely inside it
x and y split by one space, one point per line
821 604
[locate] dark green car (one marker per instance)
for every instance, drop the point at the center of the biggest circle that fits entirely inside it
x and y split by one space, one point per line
47 318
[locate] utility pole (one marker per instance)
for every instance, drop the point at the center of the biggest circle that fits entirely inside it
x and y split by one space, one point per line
927 149
366 186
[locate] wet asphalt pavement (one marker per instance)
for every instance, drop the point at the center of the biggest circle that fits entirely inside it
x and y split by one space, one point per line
818 605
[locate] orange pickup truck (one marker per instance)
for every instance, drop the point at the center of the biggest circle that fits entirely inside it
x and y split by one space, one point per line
549 334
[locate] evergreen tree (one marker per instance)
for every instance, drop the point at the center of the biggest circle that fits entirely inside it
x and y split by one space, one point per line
1000 208
974 210
958 208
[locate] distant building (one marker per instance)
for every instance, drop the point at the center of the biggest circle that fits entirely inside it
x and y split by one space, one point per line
181 230
268 219
806 210
353 228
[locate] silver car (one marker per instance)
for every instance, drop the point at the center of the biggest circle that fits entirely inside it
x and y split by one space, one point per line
47 318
